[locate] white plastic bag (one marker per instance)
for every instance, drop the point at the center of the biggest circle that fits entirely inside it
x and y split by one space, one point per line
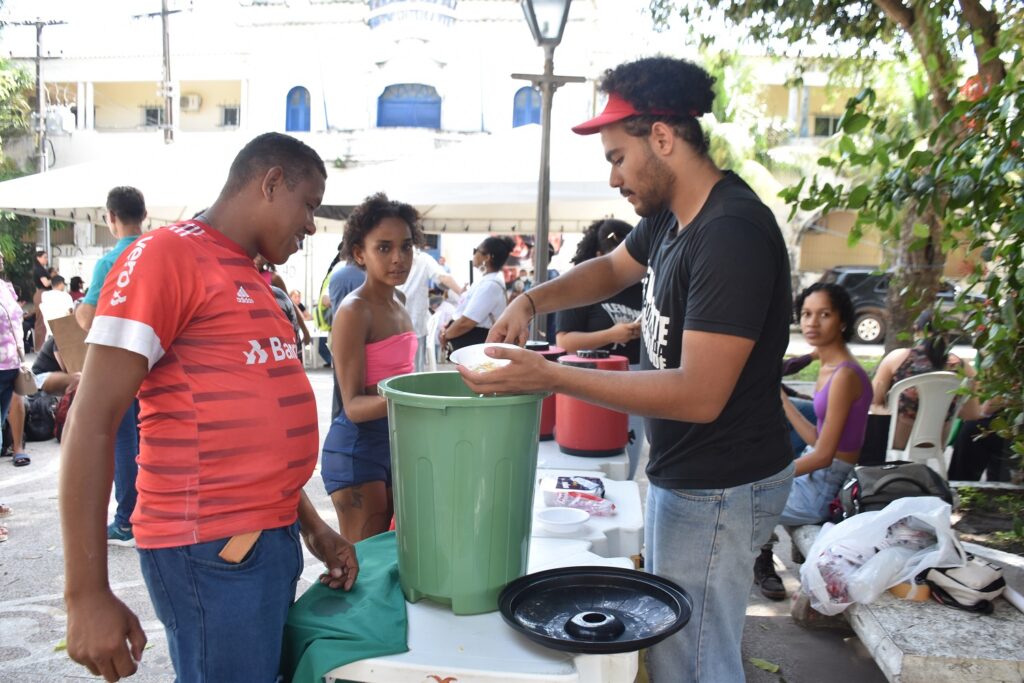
859 558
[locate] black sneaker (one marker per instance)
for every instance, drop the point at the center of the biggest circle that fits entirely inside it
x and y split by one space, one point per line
766 578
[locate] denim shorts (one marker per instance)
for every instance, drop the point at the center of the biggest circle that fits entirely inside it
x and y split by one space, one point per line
809 499
356 453
225 621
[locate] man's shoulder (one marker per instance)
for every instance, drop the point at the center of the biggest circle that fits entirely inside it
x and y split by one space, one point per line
733 198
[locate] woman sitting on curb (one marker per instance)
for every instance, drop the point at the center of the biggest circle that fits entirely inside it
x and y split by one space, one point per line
842 395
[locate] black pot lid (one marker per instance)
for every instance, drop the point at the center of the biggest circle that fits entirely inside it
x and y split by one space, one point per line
595 610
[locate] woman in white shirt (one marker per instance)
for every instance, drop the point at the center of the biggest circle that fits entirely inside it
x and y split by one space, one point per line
485 300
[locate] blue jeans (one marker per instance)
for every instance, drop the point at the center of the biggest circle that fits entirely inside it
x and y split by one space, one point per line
806 409
225 622
325 351
706 541
126 469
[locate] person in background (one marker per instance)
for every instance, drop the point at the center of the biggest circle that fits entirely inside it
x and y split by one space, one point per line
802 402
373 339
229 435
715 326
11 353
41 279
75 288
417 300
443 314
441 261
344 279
126 211
296 297
612 324
55 302
323 315
485 300
842 394
930 353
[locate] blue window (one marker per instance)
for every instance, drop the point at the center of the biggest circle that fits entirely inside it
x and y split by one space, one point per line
409 105
297 112
526 106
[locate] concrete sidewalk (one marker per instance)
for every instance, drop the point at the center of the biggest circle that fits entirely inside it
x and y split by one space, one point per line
32 616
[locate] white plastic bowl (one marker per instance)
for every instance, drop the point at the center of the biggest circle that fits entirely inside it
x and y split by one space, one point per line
473 357
562 520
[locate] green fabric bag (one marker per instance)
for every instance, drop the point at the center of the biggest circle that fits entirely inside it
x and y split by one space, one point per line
329 628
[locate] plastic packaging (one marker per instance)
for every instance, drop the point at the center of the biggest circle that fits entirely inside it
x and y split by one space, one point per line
577 492
858 559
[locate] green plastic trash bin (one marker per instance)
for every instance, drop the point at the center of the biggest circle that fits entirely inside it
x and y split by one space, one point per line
463 469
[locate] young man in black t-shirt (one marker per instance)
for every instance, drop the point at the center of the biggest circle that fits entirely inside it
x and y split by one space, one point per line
714 328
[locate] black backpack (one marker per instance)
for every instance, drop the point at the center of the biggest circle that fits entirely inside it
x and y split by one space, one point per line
39 416
872 487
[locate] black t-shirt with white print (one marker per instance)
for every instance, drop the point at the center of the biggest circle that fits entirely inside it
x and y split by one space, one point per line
624 307
726 272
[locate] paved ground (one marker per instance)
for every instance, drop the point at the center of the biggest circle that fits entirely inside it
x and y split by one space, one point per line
32 617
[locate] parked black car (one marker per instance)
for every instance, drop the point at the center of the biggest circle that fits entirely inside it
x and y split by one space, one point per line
868 289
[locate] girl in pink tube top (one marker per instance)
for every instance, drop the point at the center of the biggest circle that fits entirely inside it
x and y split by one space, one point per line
372 339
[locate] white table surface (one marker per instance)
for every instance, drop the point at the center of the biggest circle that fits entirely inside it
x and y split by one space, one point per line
483 648
620 535
549 457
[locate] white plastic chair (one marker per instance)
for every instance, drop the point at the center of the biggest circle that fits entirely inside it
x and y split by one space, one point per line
925 444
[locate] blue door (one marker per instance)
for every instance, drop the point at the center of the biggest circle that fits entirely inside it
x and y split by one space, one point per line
409 105
297 112
526 106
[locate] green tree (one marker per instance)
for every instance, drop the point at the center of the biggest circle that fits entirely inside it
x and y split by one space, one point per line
15 117
15 112
953 175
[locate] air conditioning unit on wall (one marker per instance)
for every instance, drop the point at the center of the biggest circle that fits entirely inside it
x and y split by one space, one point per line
191 102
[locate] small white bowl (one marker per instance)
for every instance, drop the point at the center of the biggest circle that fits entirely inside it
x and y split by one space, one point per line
473 357
562 520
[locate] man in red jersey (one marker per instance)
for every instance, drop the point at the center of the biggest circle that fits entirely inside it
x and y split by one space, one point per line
228 437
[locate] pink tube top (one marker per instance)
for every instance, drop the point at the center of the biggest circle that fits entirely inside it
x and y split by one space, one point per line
392 356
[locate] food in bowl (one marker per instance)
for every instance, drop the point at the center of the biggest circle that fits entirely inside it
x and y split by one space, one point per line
473 357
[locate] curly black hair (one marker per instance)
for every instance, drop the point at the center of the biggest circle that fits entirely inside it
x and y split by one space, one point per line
498 248
675 91
369 214
841 302
601 236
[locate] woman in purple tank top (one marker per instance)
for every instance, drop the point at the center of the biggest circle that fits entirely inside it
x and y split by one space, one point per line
842 395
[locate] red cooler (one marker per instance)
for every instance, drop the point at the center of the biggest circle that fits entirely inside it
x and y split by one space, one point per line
547 409
583 428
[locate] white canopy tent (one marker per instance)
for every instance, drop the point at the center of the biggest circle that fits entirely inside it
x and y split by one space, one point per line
489 184
486 184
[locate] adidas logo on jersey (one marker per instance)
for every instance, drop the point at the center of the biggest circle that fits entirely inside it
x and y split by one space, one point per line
243 296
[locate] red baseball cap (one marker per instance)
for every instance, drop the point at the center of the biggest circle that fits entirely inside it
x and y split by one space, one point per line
618 109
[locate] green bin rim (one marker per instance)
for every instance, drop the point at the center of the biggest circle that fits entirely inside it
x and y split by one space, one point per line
406 398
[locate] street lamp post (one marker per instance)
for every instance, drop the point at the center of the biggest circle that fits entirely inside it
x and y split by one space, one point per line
546 19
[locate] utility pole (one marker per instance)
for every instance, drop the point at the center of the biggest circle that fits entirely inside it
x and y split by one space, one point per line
43 161
168 91
166 86
547 83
